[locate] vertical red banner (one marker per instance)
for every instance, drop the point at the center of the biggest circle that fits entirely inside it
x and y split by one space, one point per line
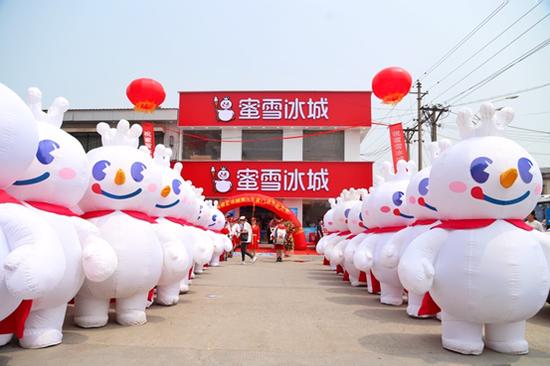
398 144
149 135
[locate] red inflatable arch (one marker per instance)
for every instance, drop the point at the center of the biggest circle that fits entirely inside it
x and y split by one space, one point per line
272 205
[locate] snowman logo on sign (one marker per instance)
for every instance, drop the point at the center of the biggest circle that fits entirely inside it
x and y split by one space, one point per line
220 180
224 113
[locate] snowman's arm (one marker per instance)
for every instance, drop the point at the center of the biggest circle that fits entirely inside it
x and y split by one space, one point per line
99 260
175 254
364 255
544 240
390 253
416 267
35 262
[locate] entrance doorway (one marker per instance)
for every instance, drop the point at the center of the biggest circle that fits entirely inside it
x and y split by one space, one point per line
263 217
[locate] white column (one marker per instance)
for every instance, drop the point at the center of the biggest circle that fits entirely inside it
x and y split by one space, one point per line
294 203
292 148
352 145
231 150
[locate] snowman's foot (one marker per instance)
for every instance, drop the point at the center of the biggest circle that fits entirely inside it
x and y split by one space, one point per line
184 288
40 338
507 338
463 346
167 300
91 321
5 339
131 317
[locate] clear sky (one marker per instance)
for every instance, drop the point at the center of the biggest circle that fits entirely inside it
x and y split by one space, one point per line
88 51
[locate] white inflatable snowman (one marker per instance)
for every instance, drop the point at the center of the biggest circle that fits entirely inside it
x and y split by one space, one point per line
350 199
32 262
329 226
218 233
482 265
356 225
384 204
53 185
419 304
222 184
340 225
115 201
173 196
204 247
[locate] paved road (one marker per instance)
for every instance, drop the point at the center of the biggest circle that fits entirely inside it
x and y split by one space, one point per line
291 313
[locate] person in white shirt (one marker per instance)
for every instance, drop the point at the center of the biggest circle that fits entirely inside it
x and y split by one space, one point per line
244 231
533 222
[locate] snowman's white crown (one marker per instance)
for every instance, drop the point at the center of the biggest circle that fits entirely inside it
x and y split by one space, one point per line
363 193
162 155
491 121
55 113
405 169
332 202
351 194
122 135
436 148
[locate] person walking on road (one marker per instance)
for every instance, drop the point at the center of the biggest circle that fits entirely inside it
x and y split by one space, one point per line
279 236
245 236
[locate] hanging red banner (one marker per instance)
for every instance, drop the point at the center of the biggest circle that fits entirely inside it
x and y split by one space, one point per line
149 135
398 144
275 108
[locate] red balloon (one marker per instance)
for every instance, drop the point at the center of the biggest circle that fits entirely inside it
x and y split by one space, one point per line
145 94
391 84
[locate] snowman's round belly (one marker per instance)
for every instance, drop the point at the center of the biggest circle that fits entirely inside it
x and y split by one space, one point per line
74 274
383 273
490 276
139 255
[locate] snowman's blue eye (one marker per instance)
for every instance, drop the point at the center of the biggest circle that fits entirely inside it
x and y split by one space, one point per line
346 212
524 167
45 149
397 198
98 171
477 169
176 186
423 186
360 216
214 217
137 171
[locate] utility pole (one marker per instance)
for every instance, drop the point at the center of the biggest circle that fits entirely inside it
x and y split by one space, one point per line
432 114
409 134
419 95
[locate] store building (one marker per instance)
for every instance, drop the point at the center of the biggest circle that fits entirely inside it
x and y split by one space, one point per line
297 148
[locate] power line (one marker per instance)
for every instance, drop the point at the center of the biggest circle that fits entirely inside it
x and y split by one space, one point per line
465 39
505 68
529 130
485 45
503 95
493 56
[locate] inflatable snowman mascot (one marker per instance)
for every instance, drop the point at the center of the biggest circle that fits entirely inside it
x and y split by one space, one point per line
385 204
172 198
356 225
204 245
32 262
340 225
350 199
54 184
122 186
482 265
331 232
216 225
419 305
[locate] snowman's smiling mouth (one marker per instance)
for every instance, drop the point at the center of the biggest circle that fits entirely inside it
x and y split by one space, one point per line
397 212
158 205
34 180
423 203
96 188
477 192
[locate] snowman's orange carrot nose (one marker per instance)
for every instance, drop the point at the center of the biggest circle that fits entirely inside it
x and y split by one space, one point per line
508 177
120 177
165 191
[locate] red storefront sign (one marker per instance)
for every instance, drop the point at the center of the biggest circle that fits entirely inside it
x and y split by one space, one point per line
398 144
148 135
265 108
281 179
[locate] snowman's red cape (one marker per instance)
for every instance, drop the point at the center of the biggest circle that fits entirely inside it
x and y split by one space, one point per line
15 322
